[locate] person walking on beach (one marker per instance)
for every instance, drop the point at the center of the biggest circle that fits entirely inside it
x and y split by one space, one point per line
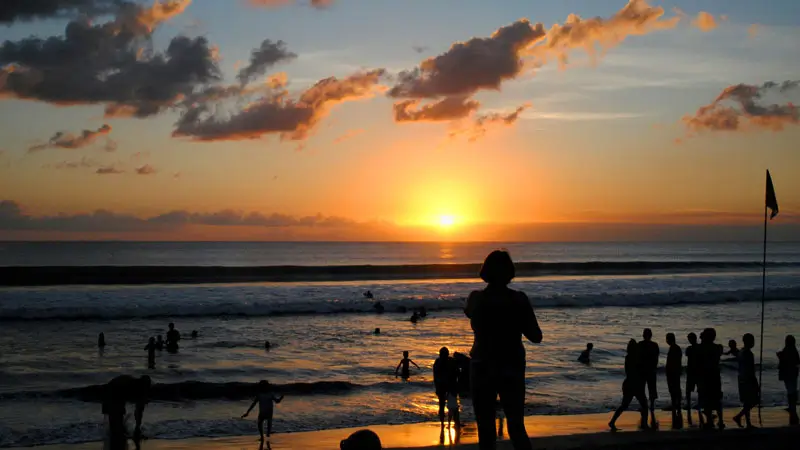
116 394
101 340
648 358
499 317
445 381
633 386
710 389
788 362
748 383
585 356
674 370
266 401
405 365
692 377
151 353
172 338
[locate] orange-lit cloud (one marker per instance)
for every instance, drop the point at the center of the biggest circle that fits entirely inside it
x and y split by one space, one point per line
483 123
275 113
348 135
705 21
83 163
150 18
449 108
739 108
752 30
109 170
146 169
70 141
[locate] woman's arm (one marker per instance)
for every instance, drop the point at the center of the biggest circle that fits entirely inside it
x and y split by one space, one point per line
530 326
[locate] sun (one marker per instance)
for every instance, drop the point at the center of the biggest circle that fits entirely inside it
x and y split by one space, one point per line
447 221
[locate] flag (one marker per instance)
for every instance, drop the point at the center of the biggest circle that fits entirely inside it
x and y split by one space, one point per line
772 201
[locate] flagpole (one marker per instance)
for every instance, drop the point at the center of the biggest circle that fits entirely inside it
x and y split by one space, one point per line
763 297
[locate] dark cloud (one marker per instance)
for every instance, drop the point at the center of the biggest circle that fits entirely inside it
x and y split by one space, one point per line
110 63
483 123
70 141
83 163
146 169
12 217
16 10
480 63
449 108
274 112
740 107
264 57
109 170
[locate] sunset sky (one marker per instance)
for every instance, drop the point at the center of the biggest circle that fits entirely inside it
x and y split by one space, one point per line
446 119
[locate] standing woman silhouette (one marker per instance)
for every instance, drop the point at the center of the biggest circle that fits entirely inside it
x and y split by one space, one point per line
500 317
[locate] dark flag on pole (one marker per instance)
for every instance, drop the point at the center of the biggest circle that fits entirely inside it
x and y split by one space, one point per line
772 201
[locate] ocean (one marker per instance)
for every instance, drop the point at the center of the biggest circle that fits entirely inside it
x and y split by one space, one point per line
324 357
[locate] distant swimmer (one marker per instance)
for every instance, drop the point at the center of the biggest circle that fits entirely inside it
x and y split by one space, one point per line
361 440
159 343
116 394
266 400
378 307
586 354
101 340
733 350
423 312
414 317
267 345
368 295
195 334
377 331
173 336
151 353
405 365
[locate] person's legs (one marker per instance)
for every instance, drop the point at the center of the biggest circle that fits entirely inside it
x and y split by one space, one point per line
484 395
261 420
653 395
791 391
626 401
442 401
512 398
642 399
269 425
118 439
689 389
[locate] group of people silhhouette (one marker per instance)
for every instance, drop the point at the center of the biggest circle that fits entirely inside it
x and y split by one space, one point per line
500 317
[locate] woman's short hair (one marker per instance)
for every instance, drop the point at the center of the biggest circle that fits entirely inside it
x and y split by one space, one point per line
498 268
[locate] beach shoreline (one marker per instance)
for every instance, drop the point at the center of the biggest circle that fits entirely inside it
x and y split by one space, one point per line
550 431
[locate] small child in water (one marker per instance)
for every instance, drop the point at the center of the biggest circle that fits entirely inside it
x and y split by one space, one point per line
265 399
733 349
151 353
585 356
406 368
101 340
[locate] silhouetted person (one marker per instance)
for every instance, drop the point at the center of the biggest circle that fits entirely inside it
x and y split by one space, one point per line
648 357
674 370
710 388
266 401
632 387
116 394
499 317
172 338
748 383
361 440
405 365
423 312
159 343
585 356
377 331
368 295
788 362
101 340
445 381
378 308
733 349
693 377
151 353
414 317
267 345
463 363
195 334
